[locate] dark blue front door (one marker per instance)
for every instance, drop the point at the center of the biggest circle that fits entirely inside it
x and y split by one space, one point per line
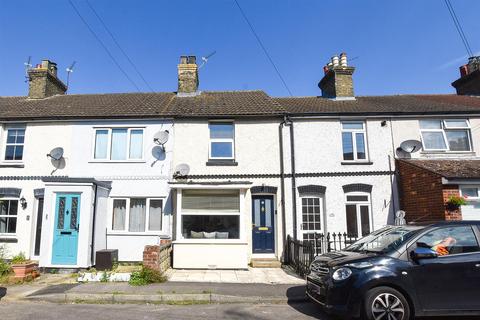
263 224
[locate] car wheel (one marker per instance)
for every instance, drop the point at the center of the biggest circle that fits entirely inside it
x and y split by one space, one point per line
385 303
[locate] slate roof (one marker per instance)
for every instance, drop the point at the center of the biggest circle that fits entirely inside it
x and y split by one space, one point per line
225 104
450 169
397 104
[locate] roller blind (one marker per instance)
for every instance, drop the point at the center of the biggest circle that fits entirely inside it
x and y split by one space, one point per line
218 200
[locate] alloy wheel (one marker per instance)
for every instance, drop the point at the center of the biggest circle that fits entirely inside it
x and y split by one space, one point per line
387 306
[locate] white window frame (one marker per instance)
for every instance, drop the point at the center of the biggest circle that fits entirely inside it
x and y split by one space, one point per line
359 203
211 140
470 187
181 213
14 127
444 127
127 216
322 229
109 144
353 132
16 217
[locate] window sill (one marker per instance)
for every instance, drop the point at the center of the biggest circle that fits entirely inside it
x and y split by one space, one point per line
12 165
8 239
211 241
145 234
117 161
221 162
447 152
354 163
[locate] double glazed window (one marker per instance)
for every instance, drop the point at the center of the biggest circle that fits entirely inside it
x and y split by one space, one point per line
222 135
8 216
311 216
118 144
446 135
137 214
358 214
210 214
354 141
14 144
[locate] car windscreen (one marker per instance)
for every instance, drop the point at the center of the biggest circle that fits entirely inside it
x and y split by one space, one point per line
383 240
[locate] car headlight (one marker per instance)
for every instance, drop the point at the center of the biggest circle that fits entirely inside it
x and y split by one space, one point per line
341 274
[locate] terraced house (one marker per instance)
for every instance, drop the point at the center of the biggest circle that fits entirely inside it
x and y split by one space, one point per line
226 175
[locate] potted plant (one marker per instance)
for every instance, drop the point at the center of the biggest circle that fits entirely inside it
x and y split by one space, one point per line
23 267
454 203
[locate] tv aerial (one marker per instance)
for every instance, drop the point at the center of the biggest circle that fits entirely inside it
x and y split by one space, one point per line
160 138
27 65
205 59
182 170
70 70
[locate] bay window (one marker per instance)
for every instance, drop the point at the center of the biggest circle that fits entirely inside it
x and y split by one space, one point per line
354 141
8 216
446 135
118 144
137 214
210 214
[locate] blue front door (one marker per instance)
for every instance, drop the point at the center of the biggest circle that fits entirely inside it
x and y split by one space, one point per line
263 224
65 234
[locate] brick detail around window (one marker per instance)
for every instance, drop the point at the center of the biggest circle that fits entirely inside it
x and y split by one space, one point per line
448 191
158 257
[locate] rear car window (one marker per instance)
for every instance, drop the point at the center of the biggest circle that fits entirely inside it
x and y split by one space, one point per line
450 240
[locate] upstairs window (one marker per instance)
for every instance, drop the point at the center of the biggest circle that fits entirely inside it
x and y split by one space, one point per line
354 141
446 135
14 144
118 144
222 140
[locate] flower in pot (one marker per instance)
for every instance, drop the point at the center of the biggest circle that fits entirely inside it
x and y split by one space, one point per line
22 267
454 203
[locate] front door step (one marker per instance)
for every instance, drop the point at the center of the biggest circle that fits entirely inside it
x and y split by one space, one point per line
265 263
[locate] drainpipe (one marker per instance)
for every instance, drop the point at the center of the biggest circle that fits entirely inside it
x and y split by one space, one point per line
92 253
282 184
294 182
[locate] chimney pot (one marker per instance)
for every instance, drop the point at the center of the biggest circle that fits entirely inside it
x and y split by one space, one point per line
43 81
187 75
337 82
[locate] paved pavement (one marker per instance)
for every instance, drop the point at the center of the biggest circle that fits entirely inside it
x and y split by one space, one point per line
41 311
252 275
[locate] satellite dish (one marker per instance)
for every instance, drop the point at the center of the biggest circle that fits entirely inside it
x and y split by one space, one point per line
161 137
158 153
182 170
56 153
410 146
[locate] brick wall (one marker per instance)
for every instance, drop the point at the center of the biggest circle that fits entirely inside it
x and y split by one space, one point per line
448 191
157 257
421 193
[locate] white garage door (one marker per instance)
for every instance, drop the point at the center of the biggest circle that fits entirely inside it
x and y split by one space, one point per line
471 211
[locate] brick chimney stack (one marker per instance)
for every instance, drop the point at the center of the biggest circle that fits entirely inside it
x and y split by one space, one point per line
187 76
469 82
43 81
338 80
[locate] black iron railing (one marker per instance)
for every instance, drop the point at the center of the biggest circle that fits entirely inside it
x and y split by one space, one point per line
299 254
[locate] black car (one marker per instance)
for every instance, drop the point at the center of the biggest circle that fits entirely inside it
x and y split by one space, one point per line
400 271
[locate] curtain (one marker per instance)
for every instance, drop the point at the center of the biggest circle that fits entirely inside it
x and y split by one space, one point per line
136 144
119 212
119 144
101 141
137 215
155 215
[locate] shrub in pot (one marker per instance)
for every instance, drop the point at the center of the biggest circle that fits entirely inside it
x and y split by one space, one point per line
23 267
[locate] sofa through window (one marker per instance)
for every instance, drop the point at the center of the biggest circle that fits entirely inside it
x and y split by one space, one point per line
210 214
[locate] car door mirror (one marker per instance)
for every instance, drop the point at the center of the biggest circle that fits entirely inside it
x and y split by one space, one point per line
423 253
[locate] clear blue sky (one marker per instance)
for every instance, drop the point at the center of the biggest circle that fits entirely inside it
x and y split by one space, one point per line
403 46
